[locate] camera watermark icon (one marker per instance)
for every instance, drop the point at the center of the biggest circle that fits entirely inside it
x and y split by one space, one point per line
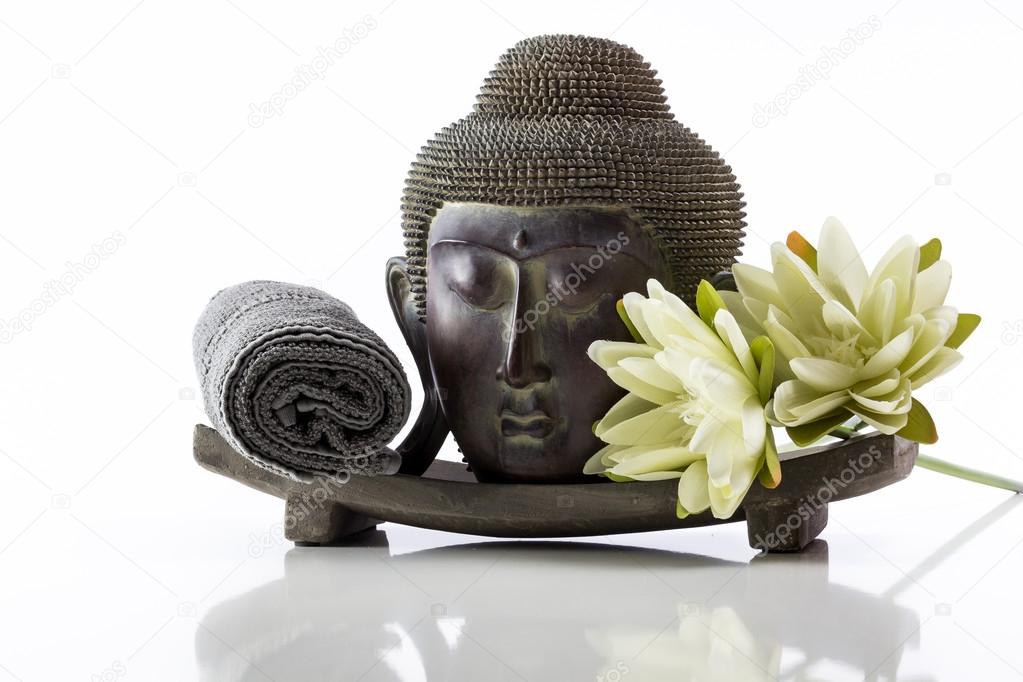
615 674
186 393
943 609
186 609
438 610
1012 332
565 501
60 71
944 394
60 501
943 179
690 610
114 671
187 179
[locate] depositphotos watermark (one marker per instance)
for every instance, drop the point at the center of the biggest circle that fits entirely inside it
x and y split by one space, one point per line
811 504
569 286
311 502
816 71
306 74
63 286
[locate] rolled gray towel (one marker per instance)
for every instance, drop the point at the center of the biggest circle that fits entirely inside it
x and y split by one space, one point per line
297 384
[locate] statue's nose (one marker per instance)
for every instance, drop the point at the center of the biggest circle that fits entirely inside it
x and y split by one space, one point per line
524 362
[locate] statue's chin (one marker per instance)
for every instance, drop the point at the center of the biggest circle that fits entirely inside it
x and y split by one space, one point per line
540 456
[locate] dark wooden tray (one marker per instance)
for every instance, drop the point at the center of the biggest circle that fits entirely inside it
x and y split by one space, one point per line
448 498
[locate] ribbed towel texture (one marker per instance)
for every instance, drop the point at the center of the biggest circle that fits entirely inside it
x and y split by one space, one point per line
297 384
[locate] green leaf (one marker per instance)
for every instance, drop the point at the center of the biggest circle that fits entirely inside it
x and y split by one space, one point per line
964 327
930 253
708 302
763 355
920 426
770 474
636 336
680 511
798 245
807 434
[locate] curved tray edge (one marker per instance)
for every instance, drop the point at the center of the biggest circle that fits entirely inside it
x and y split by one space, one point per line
812 478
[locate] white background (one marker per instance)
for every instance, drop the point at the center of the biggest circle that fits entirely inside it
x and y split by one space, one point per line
121 559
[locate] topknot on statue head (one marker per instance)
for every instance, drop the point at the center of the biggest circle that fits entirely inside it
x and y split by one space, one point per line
575 120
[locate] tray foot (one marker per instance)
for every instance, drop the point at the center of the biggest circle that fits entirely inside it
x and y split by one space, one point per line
309 521
785 526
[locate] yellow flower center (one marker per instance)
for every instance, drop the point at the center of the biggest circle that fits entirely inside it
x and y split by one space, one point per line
846 351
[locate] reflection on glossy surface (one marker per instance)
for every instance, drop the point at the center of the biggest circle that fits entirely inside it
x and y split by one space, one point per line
551 611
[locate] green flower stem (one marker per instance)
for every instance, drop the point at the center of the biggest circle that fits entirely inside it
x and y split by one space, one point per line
842 432
949 469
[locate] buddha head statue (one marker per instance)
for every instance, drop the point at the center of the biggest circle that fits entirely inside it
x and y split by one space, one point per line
569 185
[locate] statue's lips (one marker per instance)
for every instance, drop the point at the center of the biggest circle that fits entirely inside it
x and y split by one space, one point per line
536 424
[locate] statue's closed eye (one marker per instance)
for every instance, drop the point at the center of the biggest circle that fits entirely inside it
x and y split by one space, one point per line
483 285
477 298
578 287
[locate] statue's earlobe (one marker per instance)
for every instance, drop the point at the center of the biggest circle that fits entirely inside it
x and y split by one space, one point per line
724 281
424 441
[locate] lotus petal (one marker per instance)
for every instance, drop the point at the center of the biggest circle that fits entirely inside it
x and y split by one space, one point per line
879 310
822 374
932 286
628 407
891 355
610 353
931 338
692 488
843 324
728 329
633 303
633 384
656 426
662 459
900 265
600 461
650 372
797 403
941 362
756 283
885 423
839 264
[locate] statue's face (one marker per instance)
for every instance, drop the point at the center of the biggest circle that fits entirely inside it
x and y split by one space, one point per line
515 297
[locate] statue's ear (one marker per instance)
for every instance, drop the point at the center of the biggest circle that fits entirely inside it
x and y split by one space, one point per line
427 435
724 281
399 294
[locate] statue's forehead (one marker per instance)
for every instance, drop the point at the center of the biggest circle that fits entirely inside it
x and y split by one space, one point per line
524 232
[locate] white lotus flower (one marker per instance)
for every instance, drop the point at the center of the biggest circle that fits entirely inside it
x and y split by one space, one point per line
695 407
852 343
